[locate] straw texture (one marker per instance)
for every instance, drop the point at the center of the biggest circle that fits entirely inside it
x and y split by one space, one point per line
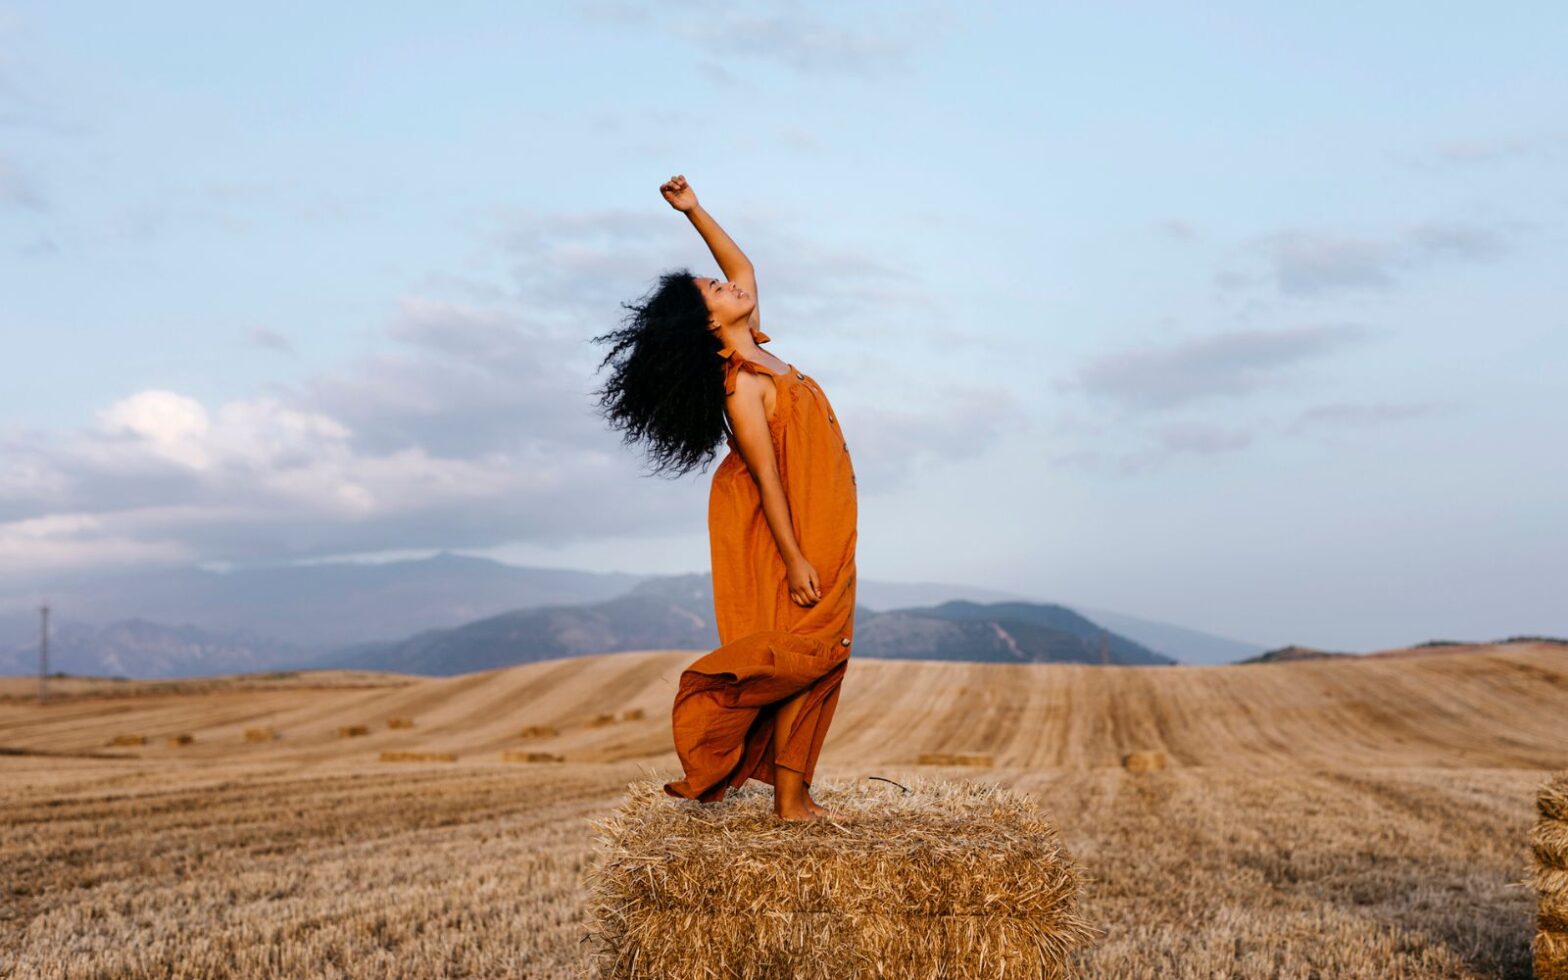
1549 850
1552 800
952 880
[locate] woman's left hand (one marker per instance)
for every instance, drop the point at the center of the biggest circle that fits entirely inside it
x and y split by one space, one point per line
804 585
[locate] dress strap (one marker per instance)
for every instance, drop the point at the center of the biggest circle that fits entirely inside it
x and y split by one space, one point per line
734 362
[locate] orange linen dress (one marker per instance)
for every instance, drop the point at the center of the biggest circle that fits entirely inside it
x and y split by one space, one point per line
771 647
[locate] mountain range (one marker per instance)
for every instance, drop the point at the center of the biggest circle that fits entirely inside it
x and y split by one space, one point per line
451 614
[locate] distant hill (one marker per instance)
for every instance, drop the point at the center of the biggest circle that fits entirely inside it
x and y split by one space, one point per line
883 596
677 613
1426 649
1182 644
1293 652
998 632
1189 646
318 607
668 613
143 649
449 613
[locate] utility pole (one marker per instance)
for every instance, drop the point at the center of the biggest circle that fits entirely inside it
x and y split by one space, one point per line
43 656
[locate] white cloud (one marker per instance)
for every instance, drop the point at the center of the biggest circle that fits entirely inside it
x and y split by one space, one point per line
1202 437
163 423
269 339
1221 365
17 189
864 44
65 542
1311 263
1361 415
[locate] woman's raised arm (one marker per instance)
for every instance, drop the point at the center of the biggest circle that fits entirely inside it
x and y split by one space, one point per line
729 256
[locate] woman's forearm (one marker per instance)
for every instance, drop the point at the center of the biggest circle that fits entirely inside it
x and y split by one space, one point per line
730 258
775 507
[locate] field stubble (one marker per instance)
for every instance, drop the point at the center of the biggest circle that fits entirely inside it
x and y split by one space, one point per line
1286 840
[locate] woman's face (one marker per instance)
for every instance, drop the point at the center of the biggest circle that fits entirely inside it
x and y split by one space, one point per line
727 301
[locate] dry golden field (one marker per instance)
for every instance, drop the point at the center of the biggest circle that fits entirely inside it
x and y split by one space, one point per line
1363 818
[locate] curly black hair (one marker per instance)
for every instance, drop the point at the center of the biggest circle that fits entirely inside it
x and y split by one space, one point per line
667 387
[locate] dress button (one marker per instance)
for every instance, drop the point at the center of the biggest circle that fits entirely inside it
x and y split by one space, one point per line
830 418
844 641
799 376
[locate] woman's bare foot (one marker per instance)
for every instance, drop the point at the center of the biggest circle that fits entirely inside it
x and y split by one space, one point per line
789 795
819 809
797 811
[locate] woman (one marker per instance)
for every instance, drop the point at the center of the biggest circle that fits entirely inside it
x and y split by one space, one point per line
781 522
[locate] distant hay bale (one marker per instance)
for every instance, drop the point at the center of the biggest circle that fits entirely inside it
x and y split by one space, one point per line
597 721
537 731
128 740
1549 850
951 879
260 734
400 723
954 759
632 714
418 756
349 731
1144 760
181 739
510 756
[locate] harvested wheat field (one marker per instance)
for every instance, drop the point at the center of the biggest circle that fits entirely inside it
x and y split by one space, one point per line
1336 818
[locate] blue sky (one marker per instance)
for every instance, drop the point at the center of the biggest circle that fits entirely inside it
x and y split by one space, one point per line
1245 318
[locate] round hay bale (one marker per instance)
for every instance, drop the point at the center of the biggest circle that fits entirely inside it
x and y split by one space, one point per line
418 756
511 756
260 735
181 739
1549 951
350 731
1551 800
538 731
600 720
1549 843
400 723
951 879
632 714
1549 874
128 740
1143 760
1551 885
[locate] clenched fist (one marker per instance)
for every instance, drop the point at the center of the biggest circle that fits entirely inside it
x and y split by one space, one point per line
679 193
